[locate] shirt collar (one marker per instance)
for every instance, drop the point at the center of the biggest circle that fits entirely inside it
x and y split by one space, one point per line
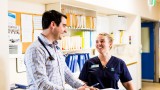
46 41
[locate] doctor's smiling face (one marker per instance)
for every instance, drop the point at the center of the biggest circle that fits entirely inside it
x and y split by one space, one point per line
60 29
104 43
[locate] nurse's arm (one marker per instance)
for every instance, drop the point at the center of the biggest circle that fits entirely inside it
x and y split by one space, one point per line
128 85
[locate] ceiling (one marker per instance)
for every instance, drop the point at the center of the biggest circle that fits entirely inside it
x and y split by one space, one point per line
51 1
39 1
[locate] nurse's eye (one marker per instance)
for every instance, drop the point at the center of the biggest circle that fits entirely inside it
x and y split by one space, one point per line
102 41
96 41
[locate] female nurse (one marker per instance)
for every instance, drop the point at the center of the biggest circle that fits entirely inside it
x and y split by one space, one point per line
104 71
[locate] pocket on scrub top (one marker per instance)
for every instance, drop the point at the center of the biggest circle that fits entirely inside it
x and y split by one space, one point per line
114 75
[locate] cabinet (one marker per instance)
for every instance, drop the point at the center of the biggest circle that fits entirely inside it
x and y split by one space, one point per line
115 25
81 27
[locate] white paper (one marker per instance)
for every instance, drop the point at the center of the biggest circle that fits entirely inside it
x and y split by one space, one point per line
26 23
20 64
11 19
14 34
37 22
15 48
36 34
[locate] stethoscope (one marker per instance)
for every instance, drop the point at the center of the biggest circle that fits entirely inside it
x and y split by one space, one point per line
50 56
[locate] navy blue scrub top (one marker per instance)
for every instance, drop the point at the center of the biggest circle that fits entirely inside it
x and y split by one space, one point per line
93 72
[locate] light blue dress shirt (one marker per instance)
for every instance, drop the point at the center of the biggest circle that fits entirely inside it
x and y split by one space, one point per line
45 74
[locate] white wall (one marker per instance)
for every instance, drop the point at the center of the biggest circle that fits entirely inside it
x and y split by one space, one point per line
135 30
102 24
19 78
158 9
25 7
4 78
137 7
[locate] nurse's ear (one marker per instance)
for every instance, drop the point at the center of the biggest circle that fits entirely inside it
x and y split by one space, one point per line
110 45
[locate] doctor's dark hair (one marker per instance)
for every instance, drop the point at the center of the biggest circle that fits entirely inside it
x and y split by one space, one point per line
51 15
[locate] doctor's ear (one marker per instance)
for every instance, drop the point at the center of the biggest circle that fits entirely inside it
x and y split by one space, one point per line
53 23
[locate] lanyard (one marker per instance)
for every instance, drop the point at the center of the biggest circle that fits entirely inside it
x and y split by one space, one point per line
50 56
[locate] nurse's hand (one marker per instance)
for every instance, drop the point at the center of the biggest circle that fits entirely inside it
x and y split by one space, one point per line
93 88
83 88
87 88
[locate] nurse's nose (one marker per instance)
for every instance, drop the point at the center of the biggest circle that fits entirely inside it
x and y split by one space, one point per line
99 43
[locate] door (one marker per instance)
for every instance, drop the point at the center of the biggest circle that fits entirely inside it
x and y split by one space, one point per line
147 39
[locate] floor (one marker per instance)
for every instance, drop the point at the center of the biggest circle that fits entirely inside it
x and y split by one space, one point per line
150 86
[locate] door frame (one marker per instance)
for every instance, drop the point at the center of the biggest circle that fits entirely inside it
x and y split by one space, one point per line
156 51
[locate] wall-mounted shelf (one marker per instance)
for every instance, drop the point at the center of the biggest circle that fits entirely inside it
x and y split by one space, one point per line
120 44
81 24
89 50
81 29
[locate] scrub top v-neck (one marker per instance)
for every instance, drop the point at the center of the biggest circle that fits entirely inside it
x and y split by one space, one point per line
93 72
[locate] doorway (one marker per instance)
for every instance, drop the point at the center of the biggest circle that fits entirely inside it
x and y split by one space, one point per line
150 50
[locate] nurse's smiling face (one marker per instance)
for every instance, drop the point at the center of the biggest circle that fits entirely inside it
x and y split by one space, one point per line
103 43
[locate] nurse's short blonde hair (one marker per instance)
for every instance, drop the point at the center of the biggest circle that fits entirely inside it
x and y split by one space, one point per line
110 38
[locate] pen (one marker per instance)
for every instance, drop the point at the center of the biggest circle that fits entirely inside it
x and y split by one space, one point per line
95 85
